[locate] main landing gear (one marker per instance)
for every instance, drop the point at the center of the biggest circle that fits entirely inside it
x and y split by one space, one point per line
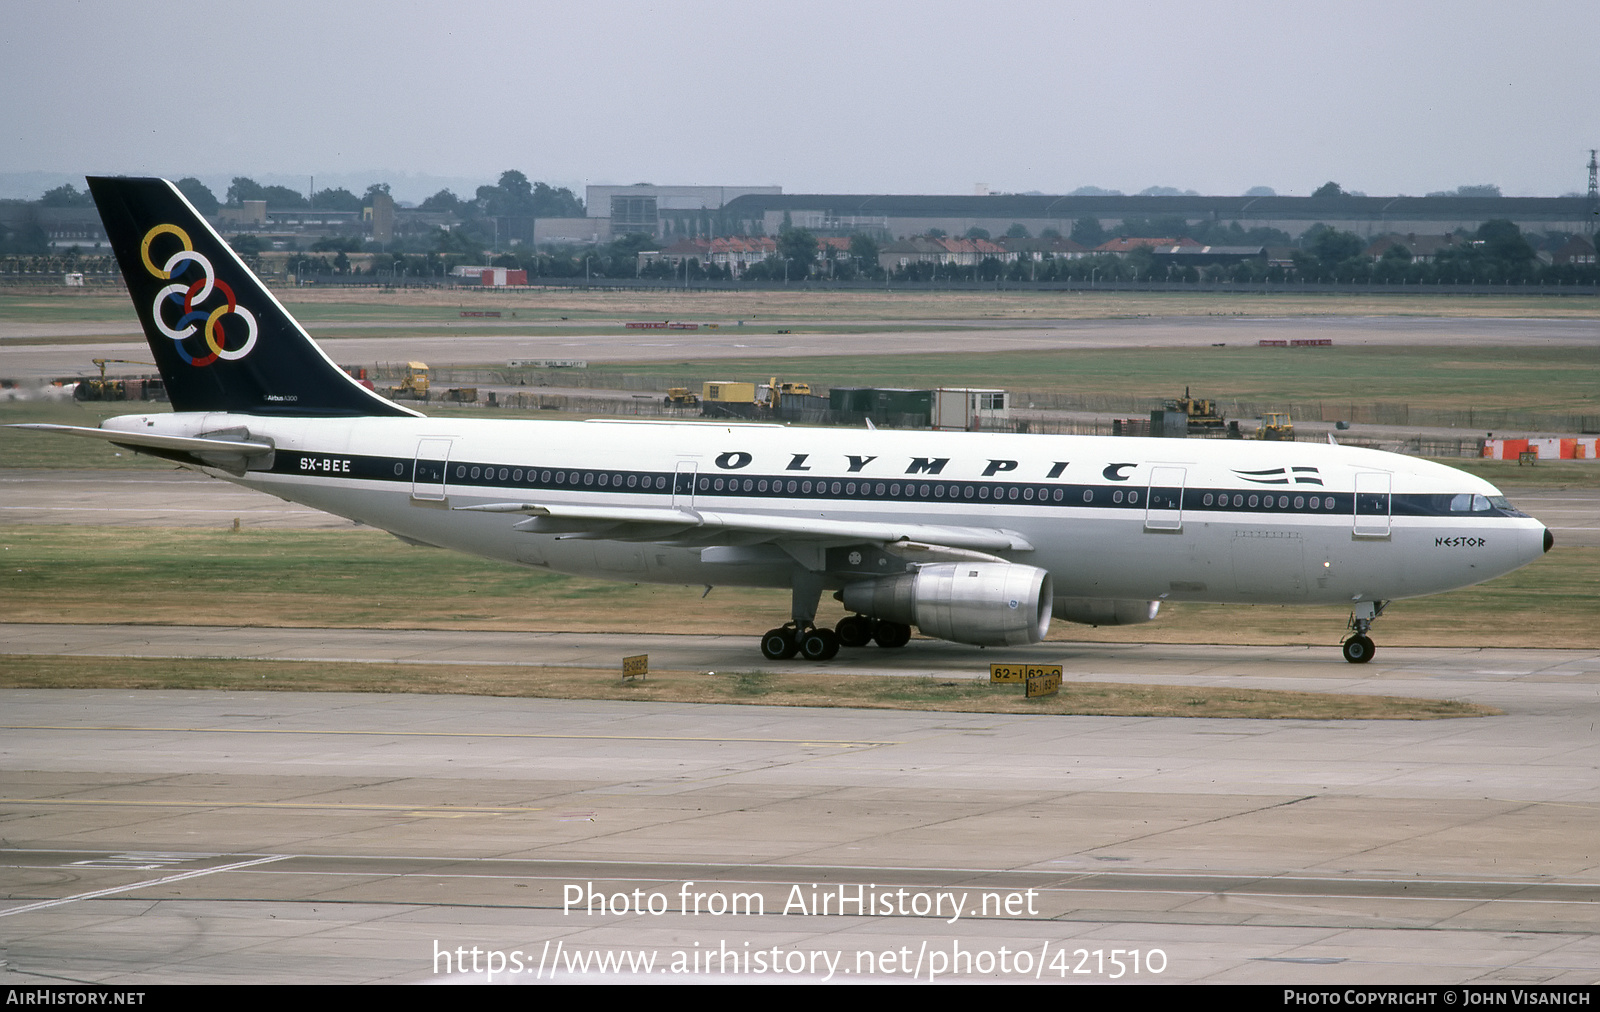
801 635
812 643
859 630
815 643
1358 649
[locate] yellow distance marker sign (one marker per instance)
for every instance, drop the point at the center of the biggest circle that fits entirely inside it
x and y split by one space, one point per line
1044 685
1021 672
636 666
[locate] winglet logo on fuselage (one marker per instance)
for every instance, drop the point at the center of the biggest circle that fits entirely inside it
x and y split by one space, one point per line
189 296
1281 476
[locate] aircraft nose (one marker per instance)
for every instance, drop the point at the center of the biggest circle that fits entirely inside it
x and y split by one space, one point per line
1549 539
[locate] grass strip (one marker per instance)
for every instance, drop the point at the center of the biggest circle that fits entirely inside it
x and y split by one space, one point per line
362 578
820 688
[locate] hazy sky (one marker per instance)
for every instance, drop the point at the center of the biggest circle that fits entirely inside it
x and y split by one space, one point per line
820 96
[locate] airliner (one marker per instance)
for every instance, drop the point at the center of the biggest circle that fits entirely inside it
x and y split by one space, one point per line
976 538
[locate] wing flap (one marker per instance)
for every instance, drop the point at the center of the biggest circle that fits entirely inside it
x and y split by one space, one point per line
674 525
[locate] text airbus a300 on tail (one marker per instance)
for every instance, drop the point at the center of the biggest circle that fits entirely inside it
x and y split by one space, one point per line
971 537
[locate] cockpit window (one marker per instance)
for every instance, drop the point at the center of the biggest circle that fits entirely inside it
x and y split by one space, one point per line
1500 502
1467 502
1459 504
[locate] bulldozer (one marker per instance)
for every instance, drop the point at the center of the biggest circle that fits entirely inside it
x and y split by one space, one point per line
1203 414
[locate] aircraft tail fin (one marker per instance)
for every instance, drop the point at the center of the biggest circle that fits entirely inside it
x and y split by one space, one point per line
220 338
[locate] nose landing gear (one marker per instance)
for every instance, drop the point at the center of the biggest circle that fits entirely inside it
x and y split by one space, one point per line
1359 648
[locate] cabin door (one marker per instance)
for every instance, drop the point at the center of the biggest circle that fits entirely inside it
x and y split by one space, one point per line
428 470
683 484
1372 504
1163 505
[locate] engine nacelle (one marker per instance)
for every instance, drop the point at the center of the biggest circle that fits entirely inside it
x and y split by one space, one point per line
1105 611
988 604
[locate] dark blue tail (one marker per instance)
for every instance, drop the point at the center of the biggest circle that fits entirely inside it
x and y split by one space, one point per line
221 341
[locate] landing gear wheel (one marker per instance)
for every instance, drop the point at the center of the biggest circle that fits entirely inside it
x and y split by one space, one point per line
1358 649
854 631
891 634
819 645
779 644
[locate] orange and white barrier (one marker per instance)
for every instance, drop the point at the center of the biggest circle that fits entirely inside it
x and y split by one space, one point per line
1582 448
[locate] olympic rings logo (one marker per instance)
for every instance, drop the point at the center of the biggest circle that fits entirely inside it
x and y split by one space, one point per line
188 297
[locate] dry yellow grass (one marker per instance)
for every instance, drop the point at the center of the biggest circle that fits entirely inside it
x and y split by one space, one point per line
819 688
364 578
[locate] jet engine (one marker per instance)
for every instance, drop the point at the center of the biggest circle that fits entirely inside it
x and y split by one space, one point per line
1105 611
987 604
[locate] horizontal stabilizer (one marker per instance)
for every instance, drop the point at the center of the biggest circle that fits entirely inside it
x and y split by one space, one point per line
186 444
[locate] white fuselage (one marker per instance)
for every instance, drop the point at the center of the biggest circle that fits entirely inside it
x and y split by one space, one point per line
1109 519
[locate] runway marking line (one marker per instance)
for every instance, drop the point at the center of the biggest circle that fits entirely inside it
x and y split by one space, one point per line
165 880
835 743
164 509
429 810
1266 898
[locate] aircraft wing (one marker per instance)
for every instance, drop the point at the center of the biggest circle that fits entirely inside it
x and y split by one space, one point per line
679 526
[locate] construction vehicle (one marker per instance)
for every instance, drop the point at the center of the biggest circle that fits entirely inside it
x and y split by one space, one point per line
413 385
771 393
1275 425
720 399
681 397
1203 414
102 389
